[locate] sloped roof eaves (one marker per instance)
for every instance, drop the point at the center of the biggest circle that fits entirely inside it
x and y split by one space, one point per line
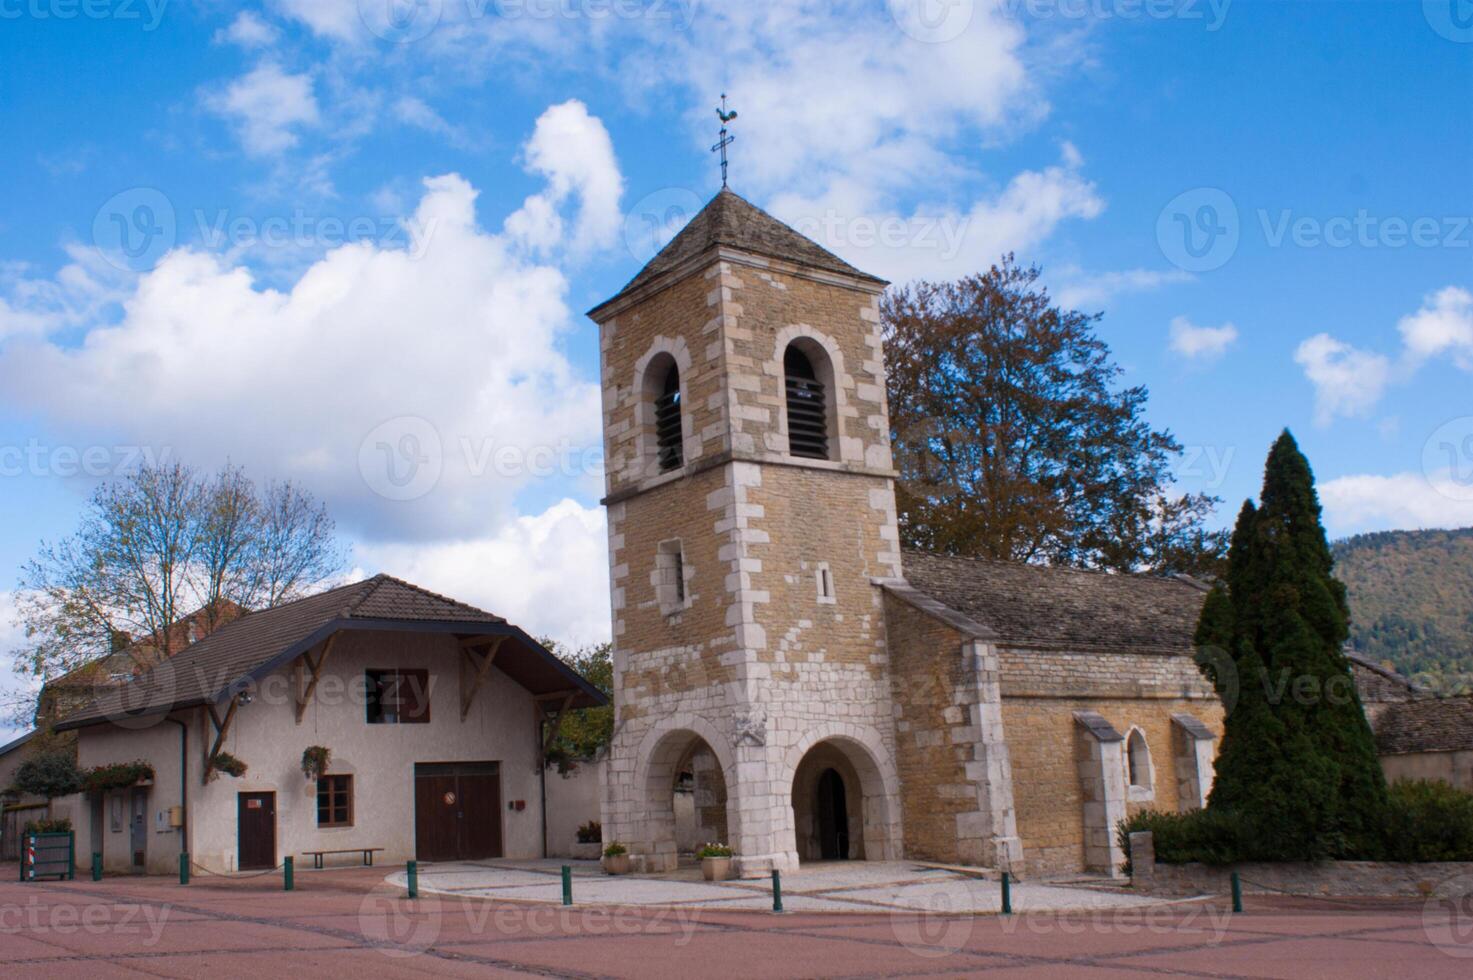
244 681
11 746
224 662
1429 724
1034 607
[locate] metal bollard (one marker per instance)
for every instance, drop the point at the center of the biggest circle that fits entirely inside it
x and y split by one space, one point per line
183 867
777 890
1237 893
567 885
96 866
1007 894
411 875
287 879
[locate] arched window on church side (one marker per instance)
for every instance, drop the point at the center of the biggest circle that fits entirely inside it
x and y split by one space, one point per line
668 429
1138 758
808 407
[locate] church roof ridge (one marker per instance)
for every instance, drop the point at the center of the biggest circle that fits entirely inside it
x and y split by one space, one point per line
730 220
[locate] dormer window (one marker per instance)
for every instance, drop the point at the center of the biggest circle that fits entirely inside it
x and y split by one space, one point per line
668 427
808 414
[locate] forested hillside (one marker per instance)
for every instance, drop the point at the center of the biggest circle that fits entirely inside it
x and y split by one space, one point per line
1411 600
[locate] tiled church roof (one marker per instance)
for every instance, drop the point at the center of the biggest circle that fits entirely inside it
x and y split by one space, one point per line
1063 608
729 219
209 670
1426 725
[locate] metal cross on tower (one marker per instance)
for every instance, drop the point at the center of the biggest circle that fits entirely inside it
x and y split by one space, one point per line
726 140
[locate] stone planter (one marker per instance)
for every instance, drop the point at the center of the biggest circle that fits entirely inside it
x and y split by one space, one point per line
586 852
716 869
617 864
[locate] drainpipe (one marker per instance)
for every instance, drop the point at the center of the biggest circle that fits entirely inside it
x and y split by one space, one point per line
542 777
183 782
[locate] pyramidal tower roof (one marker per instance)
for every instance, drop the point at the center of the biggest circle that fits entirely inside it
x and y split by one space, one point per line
731 220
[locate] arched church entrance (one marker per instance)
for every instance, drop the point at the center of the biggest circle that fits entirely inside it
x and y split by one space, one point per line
834 786
685 799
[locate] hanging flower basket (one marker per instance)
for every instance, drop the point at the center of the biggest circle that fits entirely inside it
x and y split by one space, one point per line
315 761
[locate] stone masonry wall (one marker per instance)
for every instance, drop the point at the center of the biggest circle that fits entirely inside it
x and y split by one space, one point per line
953 800
1039 703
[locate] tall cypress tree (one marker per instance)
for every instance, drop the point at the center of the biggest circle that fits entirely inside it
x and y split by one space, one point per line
1298 762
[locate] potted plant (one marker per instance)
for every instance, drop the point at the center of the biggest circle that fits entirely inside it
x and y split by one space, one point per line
616 859
315 760
590 841
715 861
228 764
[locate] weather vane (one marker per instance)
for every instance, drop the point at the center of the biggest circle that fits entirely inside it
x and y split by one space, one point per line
726 140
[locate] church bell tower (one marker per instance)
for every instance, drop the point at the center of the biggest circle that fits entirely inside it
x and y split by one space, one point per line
751 507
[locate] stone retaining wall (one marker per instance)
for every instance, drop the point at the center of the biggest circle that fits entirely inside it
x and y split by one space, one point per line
1344 878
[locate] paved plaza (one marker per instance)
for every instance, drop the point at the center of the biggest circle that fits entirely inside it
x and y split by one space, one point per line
353 923
841 886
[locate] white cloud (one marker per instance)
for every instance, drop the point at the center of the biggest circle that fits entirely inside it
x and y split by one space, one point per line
266 106
1201 343
1080 290
248 30
339 20
1354 504
14 688
456 328
937 243
572 150
416 112
1444 325
548 572
1347 381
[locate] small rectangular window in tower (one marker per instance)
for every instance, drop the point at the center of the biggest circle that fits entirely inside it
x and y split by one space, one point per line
825 583
672 589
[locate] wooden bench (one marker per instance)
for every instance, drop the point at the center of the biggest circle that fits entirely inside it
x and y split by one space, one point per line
367 852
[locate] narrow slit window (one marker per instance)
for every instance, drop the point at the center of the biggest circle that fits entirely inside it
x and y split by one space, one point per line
680 577
808 420
668 433
825 583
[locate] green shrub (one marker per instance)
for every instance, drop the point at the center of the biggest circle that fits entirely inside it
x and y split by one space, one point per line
50 775
1429 821
1202 836
615 849
714 850
591 833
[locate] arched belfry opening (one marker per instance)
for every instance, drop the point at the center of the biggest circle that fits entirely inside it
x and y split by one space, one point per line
808 401
663 389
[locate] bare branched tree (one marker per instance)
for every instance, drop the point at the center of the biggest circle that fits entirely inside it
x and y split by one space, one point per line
159 546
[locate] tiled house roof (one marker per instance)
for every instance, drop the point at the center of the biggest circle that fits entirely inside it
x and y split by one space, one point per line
729 219
1428 724
1063 608
259 642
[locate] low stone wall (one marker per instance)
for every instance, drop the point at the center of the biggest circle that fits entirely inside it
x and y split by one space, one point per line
1344 878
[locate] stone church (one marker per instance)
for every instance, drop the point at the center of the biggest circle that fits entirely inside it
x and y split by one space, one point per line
822 692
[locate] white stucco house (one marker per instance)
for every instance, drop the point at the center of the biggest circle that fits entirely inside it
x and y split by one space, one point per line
435 714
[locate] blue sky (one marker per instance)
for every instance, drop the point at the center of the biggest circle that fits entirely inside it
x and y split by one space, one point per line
295 233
